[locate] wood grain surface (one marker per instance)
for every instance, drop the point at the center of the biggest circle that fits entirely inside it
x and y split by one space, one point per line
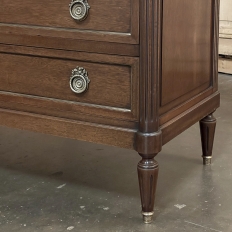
114 21
186 49
152 65
110 84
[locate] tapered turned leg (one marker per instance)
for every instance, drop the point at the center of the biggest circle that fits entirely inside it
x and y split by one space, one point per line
207 128
148 175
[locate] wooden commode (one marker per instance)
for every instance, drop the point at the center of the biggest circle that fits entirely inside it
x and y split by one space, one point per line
132 74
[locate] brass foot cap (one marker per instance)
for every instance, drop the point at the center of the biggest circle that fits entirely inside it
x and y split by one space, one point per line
147 217
207 160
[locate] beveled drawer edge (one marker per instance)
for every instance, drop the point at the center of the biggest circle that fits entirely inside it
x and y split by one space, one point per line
67 54
65 105
67 114
70 45
67 128
104 36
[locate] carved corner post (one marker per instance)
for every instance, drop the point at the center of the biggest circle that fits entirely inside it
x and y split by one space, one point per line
207 128
148 141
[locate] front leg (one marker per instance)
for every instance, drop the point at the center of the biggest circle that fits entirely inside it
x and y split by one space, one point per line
207 128
148 174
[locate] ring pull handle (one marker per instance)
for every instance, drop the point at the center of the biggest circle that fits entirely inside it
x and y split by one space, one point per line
79 80
79 9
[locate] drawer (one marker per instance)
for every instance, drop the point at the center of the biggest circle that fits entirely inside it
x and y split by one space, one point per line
113 87
105 20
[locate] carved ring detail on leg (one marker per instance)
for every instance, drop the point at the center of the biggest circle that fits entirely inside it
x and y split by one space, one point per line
148 175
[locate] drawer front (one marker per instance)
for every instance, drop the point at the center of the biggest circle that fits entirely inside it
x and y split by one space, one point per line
112 87
106 20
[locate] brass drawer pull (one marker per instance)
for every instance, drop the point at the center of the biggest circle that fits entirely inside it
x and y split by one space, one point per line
79 9
79 81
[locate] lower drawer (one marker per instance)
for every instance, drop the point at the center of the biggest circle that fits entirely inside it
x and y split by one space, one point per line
45 81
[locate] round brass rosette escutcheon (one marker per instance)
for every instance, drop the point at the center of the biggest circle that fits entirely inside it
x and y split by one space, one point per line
79 9
79 81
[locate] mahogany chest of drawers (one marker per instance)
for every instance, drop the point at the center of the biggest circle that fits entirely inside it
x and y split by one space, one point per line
132 74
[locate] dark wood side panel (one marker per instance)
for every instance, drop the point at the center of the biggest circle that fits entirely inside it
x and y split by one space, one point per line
185 106
186 50
183 121
194 97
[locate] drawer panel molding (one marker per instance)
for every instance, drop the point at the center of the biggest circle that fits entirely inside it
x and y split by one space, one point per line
113 91
106 20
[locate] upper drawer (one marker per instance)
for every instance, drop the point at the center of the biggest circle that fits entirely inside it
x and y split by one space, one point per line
107 20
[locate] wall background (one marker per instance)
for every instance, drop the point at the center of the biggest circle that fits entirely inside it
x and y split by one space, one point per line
225 37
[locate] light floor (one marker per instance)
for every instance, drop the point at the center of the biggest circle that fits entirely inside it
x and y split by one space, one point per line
55 184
